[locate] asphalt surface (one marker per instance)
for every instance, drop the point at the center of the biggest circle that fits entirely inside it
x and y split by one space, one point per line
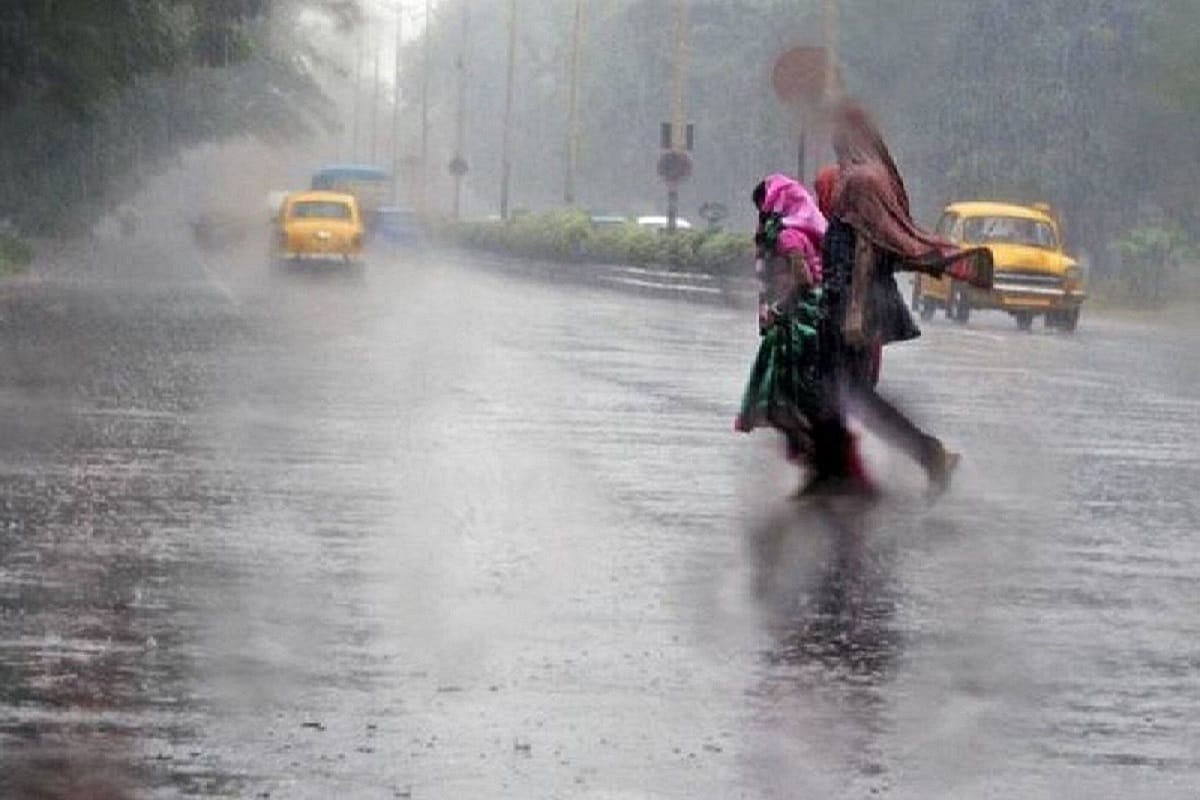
463 529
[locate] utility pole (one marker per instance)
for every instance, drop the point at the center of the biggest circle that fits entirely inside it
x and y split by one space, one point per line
506 147
460 121
426 44
831 19
678 105
833 35
358 71
572 149
396 96
374 143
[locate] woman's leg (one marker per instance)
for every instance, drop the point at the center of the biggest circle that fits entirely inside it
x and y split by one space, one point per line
893 425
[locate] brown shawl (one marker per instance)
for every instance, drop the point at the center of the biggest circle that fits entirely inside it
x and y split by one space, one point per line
871 198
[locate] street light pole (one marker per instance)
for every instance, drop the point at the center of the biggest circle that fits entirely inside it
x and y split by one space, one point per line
832 30
831 19
374 143
358 74
424 198
396 96
460 121
506 148
572 149
678 106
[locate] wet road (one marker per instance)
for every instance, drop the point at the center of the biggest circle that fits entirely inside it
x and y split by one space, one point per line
454 530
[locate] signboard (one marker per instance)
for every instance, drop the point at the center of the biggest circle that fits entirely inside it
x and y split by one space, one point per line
799 75
674 167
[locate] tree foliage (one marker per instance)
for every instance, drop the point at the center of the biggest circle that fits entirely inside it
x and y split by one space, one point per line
93 95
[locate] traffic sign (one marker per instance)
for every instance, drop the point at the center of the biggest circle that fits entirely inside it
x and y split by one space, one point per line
800 75
674 166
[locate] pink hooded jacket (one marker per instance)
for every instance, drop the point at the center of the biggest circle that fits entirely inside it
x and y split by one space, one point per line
804 224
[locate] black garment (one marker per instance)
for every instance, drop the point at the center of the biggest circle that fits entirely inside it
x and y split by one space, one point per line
887 316
847 368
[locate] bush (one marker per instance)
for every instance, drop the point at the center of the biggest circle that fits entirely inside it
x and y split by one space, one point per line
570 236
725 252
15 253
1151 258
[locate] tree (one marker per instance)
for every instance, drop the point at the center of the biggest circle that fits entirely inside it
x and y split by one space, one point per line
92 95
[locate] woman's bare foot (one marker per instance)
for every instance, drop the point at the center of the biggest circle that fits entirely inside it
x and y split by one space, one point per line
941 471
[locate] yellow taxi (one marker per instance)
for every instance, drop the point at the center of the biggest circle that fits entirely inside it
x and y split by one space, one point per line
319 227
1033 274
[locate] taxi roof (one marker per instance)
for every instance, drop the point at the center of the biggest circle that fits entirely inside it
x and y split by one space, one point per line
320 196
984 208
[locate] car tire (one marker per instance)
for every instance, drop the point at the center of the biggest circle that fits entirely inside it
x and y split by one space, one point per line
928 308
1069 320
962 306
1024 320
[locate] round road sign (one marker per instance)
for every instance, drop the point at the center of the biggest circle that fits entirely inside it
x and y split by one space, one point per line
674 166
799 75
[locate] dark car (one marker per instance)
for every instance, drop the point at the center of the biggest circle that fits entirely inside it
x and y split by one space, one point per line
397 227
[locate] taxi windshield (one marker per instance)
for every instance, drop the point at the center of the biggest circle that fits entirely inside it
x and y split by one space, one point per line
1009 230
314 209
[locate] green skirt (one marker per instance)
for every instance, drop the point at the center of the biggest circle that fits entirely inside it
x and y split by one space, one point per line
784 388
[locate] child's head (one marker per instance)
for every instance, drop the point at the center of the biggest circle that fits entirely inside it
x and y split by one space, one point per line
759 195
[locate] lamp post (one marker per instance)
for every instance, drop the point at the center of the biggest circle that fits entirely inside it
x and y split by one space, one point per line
357 98
572 143
426 43
459 165
374 141
832 36
506 146
678 107
832 30
396 97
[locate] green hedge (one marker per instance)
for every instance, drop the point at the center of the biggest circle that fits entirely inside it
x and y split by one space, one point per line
15 253
570 236
1154 259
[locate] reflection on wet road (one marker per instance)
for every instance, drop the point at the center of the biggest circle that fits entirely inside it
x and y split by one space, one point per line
451 531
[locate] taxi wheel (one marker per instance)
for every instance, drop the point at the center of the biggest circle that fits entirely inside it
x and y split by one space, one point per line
1069 320
1024 320
961 305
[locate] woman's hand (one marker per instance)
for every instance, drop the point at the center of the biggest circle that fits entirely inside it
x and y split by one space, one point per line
766 317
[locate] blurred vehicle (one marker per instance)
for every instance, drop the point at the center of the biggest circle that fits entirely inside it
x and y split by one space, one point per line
319 227
660 223
608 220
1034 275
398 227
275 200
218 229
371 185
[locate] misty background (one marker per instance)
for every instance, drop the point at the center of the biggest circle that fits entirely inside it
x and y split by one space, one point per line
1090 105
